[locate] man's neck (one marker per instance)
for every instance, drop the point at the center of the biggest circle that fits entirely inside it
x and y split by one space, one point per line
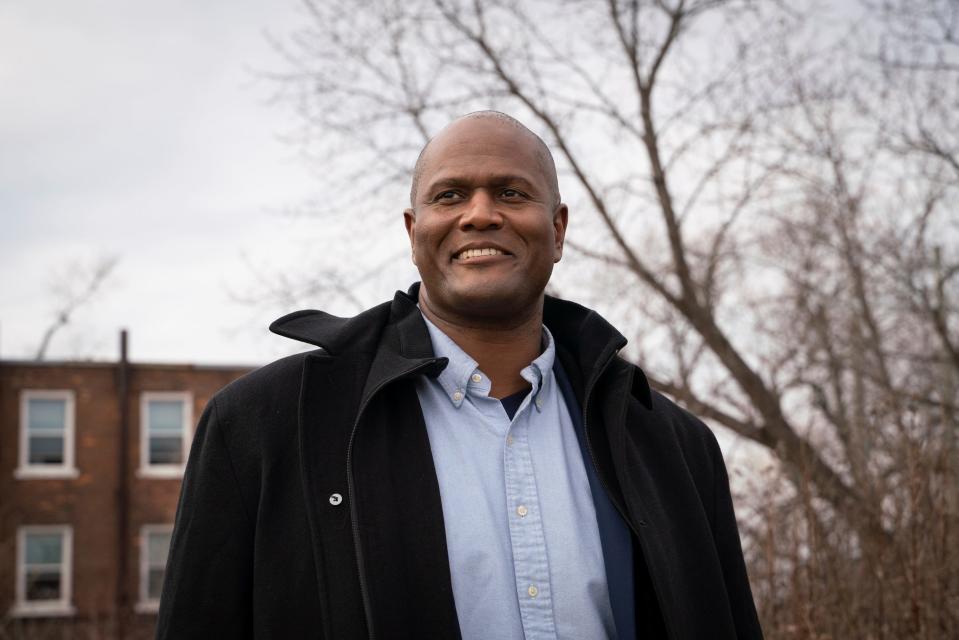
500 352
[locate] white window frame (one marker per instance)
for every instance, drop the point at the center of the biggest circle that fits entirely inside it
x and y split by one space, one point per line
68 469
146 469
145 603
50 608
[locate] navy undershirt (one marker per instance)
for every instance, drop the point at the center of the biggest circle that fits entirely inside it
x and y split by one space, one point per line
511 403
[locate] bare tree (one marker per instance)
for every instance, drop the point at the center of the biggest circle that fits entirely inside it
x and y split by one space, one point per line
769 190
74 289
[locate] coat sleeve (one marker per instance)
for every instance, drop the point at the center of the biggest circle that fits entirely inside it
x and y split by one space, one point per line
729 548
207 589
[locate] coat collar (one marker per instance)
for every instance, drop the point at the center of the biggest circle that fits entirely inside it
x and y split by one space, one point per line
405 331
395 332
331 333
592 341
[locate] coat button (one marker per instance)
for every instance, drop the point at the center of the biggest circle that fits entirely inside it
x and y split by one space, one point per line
335 499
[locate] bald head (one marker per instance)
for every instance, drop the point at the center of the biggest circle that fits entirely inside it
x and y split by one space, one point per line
542 153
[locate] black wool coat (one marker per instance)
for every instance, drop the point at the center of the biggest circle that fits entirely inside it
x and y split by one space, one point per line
310 506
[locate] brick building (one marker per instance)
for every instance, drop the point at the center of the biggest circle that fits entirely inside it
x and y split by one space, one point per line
91 458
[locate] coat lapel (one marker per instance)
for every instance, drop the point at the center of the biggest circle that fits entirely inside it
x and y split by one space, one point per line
400 518
379 542
398 506
328 400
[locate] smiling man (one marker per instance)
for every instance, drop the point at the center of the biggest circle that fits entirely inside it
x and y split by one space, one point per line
486 226
472 459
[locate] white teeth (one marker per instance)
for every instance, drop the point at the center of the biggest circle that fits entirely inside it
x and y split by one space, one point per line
475 253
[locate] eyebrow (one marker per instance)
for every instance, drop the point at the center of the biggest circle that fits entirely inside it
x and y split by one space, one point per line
494 180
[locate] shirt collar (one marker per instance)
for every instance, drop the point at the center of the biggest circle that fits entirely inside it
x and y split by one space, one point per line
462 375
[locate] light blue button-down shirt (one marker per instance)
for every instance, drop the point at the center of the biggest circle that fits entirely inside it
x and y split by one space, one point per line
521 531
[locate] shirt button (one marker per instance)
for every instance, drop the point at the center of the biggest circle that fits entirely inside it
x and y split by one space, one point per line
335 499
457 396
477 377
522 511
539 402
532 591
509 441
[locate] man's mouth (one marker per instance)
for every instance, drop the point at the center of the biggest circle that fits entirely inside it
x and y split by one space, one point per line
467 254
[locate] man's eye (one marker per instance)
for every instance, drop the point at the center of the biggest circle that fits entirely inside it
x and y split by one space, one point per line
445 195
511 193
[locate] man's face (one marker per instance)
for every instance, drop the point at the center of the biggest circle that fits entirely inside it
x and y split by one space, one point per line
485 229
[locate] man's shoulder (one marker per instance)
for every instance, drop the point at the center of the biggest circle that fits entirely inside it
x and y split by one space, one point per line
269 385
678 417
693 434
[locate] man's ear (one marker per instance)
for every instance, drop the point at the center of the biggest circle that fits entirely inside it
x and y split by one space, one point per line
409 219
560 220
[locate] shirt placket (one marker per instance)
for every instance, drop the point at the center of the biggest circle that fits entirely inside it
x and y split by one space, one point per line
530 563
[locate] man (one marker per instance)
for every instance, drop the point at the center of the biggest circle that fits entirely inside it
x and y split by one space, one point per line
472 459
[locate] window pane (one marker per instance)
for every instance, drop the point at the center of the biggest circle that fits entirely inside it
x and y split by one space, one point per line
158 547
166 416
43 585
166 450
155 583
44 548
46 450
46 414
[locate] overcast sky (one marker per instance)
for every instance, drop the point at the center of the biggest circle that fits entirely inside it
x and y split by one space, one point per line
140 130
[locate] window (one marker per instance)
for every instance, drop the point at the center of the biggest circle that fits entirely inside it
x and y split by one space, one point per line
165 420
46 435
154 548
44 571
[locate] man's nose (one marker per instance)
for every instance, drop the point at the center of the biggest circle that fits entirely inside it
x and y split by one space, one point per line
481 212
